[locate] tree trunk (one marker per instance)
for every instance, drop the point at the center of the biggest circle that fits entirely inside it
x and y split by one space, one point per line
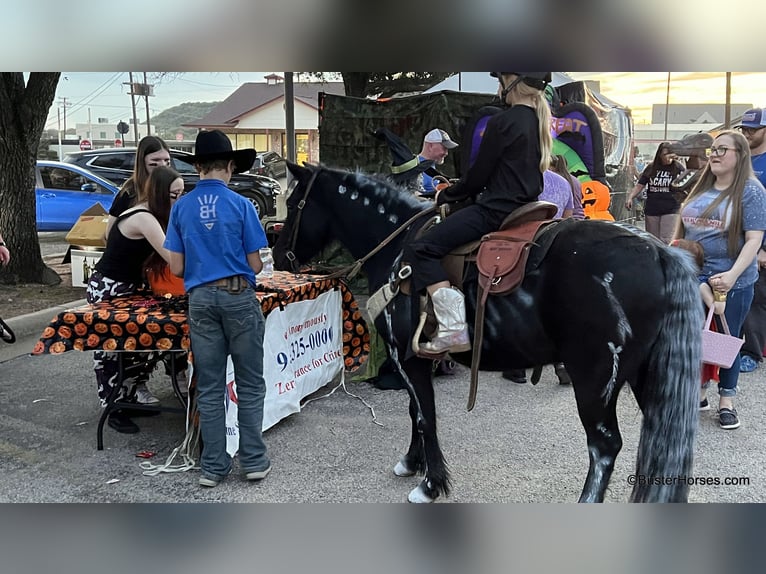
355 83
23 111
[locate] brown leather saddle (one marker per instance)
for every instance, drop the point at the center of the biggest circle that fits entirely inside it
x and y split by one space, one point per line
501 259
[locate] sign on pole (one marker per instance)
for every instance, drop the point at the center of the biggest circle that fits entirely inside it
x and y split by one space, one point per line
85 145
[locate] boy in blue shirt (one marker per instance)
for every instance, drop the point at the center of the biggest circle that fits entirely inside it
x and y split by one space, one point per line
214 235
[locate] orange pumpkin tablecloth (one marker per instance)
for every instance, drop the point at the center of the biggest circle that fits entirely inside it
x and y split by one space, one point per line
146 322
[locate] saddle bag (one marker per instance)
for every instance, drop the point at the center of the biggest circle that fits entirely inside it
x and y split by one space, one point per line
502 258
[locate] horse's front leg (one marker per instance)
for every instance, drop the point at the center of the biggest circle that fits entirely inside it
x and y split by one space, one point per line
424 454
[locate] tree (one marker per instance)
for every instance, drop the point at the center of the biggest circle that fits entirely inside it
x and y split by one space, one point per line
23 111
383 84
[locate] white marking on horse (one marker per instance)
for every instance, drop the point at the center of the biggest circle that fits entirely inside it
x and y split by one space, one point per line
342 189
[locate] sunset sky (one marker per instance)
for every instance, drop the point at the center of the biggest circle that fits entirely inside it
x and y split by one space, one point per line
639 90
105 93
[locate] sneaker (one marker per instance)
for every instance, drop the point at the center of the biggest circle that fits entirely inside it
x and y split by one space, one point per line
121 423
211 481
728 418
704 405
561 373
516 375
258 474
145 396
747 364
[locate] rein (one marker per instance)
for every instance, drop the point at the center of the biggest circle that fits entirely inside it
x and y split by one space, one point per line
350 271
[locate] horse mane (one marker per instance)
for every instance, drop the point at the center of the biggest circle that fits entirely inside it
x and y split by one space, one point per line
392 200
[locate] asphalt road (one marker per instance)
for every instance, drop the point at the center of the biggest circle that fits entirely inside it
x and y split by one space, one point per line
520 444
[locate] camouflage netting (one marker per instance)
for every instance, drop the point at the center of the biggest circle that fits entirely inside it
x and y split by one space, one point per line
346 125
346 141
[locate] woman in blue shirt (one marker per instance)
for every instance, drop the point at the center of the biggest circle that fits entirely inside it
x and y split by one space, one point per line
726 213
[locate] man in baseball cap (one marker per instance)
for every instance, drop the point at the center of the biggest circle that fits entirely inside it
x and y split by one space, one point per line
753 119
436 146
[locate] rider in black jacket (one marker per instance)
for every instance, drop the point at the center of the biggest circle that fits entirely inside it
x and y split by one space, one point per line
507 173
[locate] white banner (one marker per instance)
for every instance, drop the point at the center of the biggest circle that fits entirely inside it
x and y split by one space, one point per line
302 352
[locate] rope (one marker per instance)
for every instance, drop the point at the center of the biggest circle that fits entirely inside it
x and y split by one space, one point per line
342 385
186 450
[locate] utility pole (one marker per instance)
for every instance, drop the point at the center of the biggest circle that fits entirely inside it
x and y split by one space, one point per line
59 131
727 112
146 99
667 105
133 104
62 101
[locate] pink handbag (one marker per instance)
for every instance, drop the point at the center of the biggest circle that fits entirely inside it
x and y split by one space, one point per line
719 348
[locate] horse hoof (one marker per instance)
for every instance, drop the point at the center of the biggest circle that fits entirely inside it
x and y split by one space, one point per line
418 495
402 469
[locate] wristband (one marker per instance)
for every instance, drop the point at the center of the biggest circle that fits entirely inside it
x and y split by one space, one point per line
719 296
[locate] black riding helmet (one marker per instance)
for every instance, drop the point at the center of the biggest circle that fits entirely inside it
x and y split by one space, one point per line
535 79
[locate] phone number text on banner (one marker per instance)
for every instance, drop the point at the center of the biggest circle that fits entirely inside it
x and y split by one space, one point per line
302 352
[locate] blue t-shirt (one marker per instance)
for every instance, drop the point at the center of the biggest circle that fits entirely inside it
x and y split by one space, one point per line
426 182
215 229
712 232
759 167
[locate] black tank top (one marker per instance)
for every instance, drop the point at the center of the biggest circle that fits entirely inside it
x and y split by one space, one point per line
123 260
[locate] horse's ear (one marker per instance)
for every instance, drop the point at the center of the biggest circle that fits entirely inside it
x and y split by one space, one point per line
297 170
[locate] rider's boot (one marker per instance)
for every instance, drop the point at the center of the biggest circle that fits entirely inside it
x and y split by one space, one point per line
452 333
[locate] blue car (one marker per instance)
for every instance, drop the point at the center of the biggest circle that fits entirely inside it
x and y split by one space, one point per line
63 191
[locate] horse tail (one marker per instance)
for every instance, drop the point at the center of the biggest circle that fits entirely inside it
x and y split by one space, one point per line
670 393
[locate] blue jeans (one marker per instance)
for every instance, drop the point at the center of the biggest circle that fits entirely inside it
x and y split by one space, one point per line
224 324
737 305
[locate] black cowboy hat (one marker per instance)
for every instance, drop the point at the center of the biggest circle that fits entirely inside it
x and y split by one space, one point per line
215 144
404 164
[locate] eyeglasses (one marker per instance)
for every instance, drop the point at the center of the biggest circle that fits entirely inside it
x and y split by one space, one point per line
720 151
749 131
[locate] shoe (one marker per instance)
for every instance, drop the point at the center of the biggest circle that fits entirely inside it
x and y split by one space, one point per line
121 423
728 418
747 364
258 474
132 413
388 382
5 333
561 373
210 481
516 375
145 396
704 405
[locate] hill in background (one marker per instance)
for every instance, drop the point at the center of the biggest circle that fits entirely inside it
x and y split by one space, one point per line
169 122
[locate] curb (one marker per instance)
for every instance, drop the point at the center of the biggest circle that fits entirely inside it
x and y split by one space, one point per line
34 323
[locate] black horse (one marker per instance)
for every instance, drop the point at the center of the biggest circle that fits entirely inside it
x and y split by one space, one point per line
633 299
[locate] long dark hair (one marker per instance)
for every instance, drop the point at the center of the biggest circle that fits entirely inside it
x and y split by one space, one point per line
135 184
156 192
733 194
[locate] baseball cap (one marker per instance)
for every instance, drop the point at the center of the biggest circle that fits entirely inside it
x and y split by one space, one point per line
753 118
440 136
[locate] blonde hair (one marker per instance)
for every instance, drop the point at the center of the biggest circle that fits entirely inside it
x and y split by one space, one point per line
733 194
525 91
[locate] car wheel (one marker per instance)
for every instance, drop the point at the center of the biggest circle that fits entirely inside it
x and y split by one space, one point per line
258 203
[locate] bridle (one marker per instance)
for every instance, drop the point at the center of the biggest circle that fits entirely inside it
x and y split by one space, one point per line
349 271
290 253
